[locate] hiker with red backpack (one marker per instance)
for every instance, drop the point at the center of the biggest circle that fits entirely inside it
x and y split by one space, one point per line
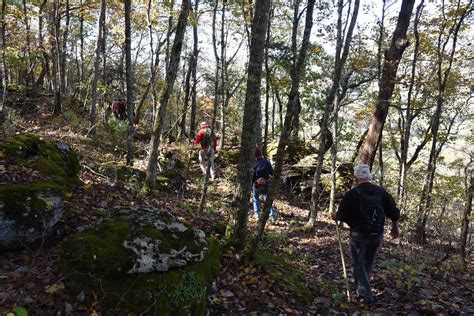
262 176
208 142
364 208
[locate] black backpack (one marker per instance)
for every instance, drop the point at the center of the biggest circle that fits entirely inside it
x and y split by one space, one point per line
372 212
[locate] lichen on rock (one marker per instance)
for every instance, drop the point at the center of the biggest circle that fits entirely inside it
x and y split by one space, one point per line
146 244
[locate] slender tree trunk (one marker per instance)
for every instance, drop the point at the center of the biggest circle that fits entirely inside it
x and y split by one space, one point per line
223 85
267 86
237 228
55 53
45 58
187 91
81 39
3 81
342 51
63 60
192 127
425 204
469 182
296 72
387 82
29 82
95 78
217 92
129 76
103 50
4 45
151 85
171 74
294 55
406 129
335 132
381 165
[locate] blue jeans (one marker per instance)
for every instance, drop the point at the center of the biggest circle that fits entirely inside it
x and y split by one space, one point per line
363 251
256 201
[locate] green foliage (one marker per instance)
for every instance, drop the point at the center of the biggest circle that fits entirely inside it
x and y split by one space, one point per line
407 275
290 279
114 132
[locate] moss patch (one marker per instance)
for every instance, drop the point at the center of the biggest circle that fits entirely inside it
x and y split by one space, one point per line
286 275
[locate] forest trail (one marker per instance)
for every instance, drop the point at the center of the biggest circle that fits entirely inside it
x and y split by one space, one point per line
408 279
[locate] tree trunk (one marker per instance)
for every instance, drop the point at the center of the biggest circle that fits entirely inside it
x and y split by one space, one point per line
237 227
103 49
3 81
192 127
286 130
469 182
45 58
387 83
217 91
335 132
406 129
187 91
425 204
129 78
171 73
223 78
63 60
81 39
294 55
4 45
95 76
342 51
29 82
267 87
55 53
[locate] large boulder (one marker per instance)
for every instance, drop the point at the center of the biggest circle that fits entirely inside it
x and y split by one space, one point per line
142 257
35 178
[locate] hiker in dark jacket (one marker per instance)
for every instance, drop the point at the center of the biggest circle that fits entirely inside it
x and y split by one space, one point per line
366 225
119 109
206 139
262 174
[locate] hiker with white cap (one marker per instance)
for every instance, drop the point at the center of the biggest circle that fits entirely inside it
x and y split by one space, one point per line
364 208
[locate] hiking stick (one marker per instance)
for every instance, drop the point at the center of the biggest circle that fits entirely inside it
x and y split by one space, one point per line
338 233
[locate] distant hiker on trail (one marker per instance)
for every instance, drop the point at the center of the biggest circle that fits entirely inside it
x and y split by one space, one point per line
262 175
205 138
364 208
119 109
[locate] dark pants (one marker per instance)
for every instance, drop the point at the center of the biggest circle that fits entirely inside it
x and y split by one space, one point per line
363 251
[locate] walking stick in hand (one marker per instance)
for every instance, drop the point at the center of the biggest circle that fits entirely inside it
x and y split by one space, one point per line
338 233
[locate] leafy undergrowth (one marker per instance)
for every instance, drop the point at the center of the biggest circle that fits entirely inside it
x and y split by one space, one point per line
296 272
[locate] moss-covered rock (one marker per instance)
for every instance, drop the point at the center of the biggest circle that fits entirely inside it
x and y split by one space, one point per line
142 257
54 159
32 203
28 212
